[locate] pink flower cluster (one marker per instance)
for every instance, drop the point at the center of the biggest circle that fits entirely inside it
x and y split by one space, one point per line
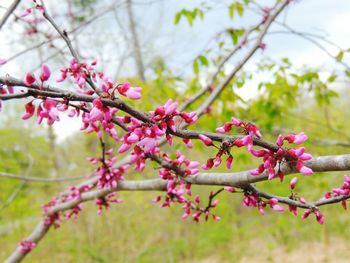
105 202
108 175
249 129
72 193
26 246
99 114
344 190
30 79
198 212
47 109
79 72
318 215
253 200
273 159
147 135
179 168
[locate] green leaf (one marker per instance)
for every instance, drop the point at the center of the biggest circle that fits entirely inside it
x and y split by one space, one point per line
177 18
201 14
332 78
195 67
203 60
340 56
231 10
240 9
347 72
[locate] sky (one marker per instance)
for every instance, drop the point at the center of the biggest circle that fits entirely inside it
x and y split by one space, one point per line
181 44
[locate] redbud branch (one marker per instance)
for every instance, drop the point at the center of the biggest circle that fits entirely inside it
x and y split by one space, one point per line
35 91
211 197
313 205
65 37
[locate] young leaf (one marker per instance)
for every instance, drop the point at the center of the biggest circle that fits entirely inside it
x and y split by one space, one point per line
177 18
340 56
240 9
231 10
195 67
204 61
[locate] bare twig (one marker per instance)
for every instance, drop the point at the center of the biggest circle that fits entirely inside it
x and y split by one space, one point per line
8 12
39 179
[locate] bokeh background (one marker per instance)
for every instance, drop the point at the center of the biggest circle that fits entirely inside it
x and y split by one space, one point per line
293 85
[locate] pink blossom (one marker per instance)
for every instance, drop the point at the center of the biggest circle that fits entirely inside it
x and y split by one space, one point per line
133 93
217 161
306 213
26 246
188 143
293 209
209 164
29 111
148 144
229 161
45 72
3 61
274 205
306 170
300 138
293 182
197 199
226 128
132 138
26 12
205 139
170 107
230 189
279 141
124 147
216 218
236 122
29 79
303 169
305 157
319 217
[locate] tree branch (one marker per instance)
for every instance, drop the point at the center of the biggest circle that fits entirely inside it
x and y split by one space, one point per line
9 11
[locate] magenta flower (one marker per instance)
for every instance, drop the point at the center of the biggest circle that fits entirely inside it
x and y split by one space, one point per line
170 107
45 72
230 189
29 79
300 138
26 246
229 161
293 182
133 93
29 111
205 139
26 12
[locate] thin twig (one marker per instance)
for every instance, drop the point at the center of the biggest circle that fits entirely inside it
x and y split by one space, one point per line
9 11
